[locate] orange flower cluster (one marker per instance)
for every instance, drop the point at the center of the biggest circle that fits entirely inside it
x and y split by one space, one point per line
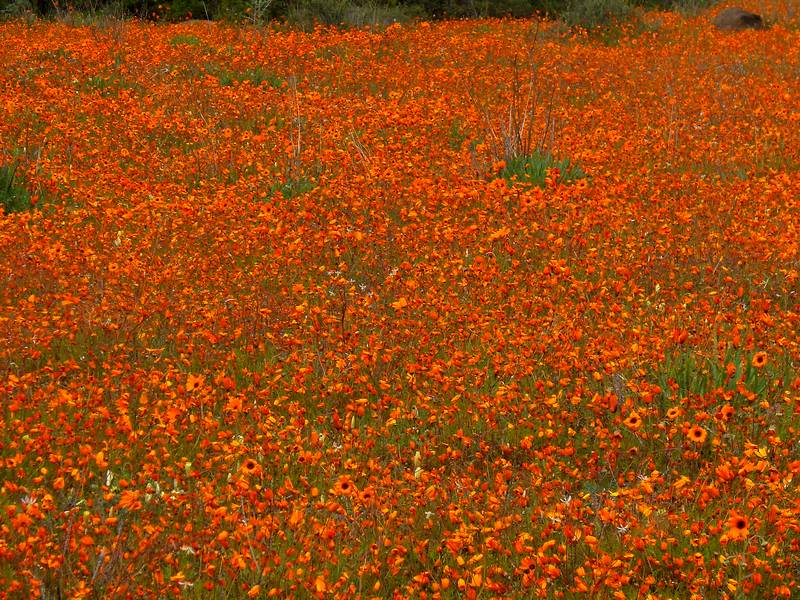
276 328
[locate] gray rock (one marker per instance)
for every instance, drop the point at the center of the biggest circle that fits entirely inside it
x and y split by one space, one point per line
736 19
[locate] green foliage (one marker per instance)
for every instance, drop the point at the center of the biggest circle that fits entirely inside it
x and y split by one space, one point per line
685 6
456 135
255 77
590 14
14 196
185 39
594 14
350 13
190 9
108 85
534 168
16 9
293 187
689 373
691 7
484 8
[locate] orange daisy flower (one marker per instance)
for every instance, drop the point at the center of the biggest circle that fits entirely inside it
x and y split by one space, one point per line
366 496
250 467
344 486
730 369
738 527
194 382
759 359
726 412
673 413
697 434
528 569
634 421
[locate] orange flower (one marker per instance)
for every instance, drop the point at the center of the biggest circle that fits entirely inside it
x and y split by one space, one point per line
356 305
528 569
697 434
759 359
129 499
193 382
634 421
738 527
367 495
250 467
400 304
344 486
296 518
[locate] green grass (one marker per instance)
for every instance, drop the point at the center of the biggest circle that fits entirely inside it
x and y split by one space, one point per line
293 187
14 196
456 136
108 86
689 373
184 39
256 77
533 169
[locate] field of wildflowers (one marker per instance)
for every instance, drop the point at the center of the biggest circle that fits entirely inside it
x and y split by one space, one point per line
290 314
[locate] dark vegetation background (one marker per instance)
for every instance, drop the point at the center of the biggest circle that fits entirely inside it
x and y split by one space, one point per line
307 13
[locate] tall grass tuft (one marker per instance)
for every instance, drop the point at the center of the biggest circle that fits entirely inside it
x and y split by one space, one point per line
524 140
14 196
535 169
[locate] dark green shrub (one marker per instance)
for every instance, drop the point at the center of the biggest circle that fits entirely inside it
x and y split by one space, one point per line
16 9
680 5
306 13
690 6
594 14
482 8
351 13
